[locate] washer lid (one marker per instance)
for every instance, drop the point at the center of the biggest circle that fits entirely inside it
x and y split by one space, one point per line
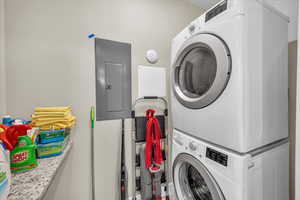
193 181
201 71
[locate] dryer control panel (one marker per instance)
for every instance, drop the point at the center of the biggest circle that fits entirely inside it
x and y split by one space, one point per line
221 7
216 156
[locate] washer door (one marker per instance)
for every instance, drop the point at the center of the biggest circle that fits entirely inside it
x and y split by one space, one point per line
201 71
193 181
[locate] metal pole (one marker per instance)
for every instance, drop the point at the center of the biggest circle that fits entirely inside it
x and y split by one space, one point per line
92 117
124 175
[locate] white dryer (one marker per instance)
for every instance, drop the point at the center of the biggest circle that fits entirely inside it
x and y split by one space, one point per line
229 76
204 171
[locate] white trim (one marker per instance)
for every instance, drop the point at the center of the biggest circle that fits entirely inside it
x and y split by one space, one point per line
297 148
273 9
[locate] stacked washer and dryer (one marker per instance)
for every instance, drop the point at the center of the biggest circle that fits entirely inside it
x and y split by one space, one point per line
230 104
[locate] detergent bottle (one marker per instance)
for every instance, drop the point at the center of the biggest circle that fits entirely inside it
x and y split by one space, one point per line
23 156
5 176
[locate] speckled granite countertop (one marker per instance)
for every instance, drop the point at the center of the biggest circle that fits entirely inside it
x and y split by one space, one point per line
33 184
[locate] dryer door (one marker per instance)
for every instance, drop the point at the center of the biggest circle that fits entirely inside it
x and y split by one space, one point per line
193 181
201 71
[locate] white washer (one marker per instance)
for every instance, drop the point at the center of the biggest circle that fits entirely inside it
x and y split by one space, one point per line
205 171
229 76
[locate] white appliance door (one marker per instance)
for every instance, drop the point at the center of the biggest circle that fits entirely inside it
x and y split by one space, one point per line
201 71
192 181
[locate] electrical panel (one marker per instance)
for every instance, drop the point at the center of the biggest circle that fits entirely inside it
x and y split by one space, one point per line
113 79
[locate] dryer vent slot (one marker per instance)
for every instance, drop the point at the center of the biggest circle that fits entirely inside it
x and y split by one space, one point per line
133 114
137 160
163 178
164 155
138 183
166 112
140 127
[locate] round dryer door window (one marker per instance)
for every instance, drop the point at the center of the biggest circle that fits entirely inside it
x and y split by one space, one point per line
193 181
201 71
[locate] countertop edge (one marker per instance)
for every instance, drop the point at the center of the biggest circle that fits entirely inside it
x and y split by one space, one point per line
43 194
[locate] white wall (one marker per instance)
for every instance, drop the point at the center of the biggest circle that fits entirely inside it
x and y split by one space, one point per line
206 4
290 9
2 62
297 156
50 61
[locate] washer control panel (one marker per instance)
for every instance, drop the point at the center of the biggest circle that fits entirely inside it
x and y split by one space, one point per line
216 10
216 156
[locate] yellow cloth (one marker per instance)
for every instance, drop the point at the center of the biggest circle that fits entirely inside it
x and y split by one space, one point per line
52 113
56 126
52 109
42 123
49 118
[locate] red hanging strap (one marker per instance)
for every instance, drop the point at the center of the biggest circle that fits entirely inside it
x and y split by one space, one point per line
153 143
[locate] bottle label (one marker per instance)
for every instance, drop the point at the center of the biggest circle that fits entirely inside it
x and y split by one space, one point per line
20 157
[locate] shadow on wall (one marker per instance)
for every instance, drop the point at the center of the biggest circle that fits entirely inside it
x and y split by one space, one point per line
292 112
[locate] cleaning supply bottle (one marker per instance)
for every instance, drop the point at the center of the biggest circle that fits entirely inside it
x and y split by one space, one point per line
7 120
5 177
23 157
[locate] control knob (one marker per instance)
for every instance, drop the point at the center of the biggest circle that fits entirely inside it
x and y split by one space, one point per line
193 146
192 28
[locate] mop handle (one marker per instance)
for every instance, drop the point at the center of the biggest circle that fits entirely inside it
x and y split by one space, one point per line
92 117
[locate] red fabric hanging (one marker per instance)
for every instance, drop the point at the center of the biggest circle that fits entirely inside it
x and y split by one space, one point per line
153 142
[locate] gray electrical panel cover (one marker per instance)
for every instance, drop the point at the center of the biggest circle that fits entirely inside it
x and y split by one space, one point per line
113 79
